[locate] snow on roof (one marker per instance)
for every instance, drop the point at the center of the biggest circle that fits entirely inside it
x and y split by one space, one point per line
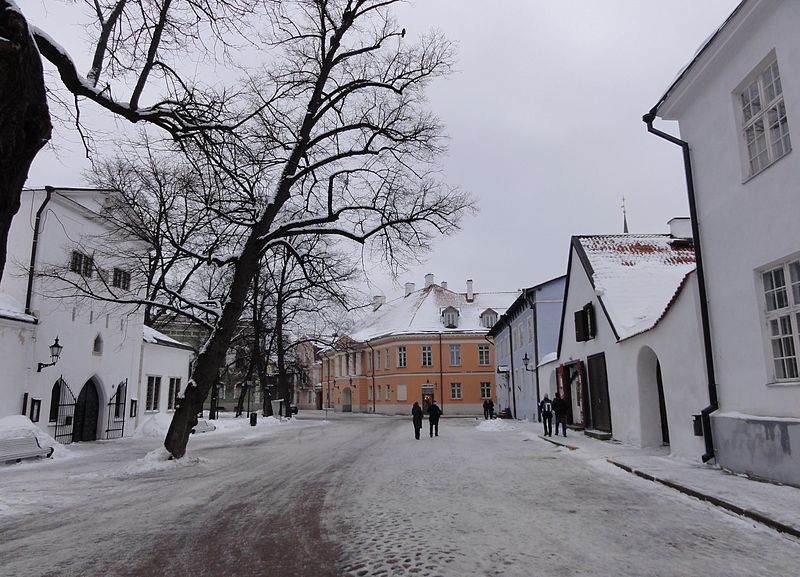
11 308
636 277
151 335
421 311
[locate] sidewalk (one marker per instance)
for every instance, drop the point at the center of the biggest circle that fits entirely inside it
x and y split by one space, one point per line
777 506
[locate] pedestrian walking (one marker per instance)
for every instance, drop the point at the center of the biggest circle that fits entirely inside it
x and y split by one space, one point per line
434 412
416 416
486 409
546 409
491 409
560 410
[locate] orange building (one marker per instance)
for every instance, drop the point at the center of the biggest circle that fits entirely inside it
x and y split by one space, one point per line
429 344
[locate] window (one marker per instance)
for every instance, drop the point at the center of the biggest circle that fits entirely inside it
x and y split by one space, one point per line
369 393
121 279
377 359
427 355
97 348
486 390
455 391
764 125
402 392
782 304
174 391
153 393
370 361
134 407
386 359
488 318
388 392
36 409
455 355
81 264
119 401
584 324
55 400
450 317
401 357
483 355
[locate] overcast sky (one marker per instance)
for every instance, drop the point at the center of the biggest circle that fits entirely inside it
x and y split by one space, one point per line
544 115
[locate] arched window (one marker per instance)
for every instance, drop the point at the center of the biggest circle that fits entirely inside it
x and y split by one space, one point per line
55 398
98 345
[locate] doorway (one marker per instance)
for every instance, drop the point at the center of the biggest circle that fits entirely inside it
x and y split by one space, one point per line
600 409
87 411
662 406
347 400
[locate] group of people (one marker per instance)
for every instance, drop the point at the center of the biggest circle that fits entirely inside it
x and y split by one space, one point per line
488 409
548 408
434 412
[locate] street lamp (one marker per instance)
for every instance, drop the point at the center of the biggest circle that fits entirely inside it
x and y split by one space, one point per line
55 353
525 361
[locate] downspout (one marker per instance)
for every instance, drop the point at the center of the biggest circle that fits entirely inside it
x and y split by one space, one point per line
532 304
648 119
441 372
372 364
34 245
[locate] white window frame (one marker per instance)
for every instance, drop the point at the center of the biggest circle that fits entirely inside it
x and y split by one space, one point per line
173 392
402 392
455 392
764 127
153 394
780 290
484 355
402 357
427 356
486 390
386 359
455 355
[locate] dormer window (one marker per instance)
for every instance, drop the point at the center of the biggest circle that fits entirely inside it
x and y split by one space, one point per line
488 318
450 317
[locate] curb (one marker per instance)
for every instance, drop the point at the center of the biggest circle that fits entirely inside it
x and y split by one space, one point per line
727 505
558 444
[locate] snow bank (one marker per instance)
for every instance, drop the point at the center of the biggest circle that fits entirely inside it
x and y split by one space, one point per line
155 427
495 425
155 461
21 426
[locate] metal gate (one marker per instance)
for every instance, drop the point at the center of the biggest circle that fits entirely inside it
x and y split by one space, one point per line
115 424
66 413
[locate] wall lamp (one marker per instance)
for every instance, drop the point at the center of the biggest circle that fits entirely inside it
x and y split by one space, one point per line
525 361
55 353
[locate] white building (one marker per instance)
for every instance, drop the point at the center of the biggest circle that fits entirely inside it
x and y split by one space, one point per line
738 107
630 363
86 394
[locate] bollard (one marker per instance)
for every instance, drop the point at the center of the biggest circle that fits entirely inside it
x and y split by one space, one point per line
253 419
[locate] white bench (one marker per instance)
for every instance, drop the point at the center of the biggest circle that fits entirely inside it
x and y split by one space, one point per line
203 426
17 448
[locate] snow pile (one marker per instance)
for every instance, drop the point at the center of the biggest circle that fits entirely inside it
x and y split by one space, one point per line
21 426
156 461
155 427
495 425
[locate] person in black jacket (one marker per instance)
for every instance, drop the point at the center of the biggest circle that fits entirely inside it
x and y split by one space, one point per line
416 416
434 412
560 409
546 409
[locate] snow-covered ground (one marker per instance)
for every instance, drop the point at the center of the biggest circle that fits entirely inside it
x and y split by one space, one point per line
358 495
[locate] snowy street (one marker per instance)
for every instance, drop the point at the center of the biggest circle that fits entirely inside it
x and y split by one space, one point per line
358 495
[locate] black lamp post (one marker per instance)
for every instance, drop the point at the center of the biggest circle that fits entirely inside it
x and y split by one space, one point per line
55 353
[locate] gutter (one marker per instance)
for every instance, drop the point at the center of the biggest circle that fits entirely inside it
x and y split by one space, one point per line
713 405
34 245
372 364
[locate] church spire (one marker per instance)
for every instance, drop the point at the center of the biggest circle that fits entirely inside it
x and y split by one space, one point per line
624 217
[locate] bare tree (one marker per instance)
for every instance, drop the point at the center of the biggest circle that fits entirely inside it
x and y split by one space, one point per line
138 46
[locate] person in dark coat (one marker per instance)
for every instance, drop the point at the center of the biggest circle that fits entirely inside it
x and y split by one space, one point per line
560 410
486 409
434 412
416 416
546 409
491 408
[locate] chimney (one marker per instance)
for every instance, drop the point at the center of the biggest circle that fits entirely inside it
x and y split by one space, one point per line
470 295
428 280
444 284
377 301
680 228
409 288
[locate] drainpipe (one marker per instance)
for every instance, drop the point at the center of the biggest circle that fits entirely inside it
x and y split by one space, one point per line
648 119
34 245
372 364
441 372
513 384
532 304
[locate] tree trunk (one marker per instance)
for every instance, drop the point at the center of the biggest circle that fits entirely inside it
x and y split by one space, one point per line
24 118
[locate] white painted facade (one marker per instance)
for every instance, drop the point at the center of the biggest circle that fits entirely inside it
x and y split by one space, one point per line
102 342
748 224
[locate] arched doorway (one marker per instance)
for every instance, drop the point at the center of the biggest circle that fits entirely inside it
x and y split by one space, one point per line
87 411
347 400
652 402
